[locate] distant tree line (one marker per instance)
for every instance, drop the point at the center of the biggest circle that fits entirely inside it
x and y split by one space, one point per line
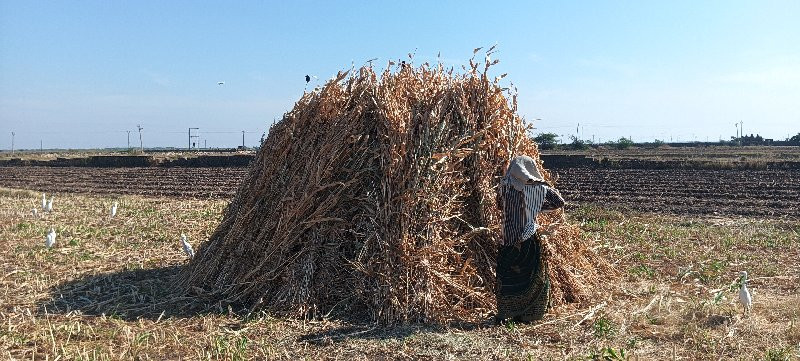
547 141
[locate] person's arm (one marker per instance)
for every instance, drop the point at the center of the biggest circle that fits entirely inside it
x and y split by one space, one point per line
552 200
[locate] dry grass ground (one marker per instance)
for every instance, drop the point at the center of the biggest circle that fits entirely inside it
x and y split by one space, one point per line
104 293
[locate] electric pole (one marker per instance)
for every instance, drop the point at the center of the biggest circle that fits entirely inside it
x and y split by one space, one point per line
129 139
243 139
141 147
192 136
12 141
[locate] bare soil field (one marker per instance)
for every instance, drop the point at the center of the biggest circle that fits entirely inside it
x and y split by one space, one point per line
200 183
705 153
774 193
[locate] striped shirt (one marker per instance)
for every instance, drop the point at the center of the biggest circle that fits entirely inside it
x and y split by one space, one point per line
521 208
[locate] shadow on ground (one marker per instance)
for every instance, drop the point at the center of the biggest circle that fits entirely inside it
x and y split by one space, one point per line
128 295
151 294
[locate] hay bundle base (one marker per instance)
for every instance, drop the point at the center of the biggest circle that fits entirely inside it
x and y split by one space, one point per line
376 197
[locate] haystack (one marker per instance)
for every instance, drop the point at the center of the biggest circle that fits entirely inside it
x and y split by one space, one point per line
376 197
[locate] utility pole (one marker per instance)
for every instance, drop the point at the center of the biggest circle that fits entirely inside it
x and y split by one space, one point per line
737 130
192 136
12 141
129 139
41 148
741 128
205 143
141 147
243 139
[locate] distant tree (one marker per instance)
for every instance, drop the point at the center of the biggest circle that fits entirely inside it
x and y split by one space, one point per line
578 144
546 140
795 138
623 143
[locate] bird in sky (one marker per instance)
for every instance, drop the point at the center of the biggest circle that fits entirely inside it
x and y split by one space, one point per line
114 209
744 294
187 248
49 207
50 240
220 83
308 79
44 201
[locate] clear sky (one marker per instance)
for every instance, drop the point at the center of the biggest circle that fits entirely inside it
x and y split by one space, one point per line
81 73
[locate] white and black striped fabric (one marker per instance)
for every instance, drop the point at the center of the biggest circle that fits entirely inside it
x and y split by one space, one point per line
521 208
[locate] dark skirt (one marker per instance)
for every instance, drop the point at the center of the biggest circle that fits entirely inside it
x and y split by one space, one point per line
523 286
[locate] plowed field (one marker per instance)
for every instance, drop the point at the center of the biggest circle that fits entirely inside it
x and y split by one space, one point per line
150 181
678 191
773 193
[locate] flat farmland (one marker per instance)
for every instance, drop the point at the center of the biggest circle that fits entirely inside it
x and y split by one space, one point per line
677 238
178 182
774 193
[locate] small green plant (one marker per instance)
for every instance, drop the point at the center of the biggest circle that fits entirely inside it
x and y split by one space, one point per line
643 270
778 354
603 327
607 354
718 298
22 226
632 342
595 225
236 349
510 325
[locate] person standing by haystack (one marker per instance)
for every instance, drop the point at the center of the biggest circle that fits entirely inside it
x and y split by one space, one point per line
523 285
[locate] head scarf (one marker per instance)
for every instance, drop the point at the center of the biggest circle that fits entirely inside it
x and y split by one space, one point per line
521 171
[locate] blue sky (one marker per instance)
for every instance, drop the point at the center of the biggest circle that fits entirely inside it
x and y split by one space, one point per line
81 73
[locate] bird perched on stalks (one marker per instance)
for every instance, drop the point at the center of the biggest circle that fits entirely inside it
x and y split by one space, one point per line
187 248
744 294
44 201
49 207
50 241
114 209
34 212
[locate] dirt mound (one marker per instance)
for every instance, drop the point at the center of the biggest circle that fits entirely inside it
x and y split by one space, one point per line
376 197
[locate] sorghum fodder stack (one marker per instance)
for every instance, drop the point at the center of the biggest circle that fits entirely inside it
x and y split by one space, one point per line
376 196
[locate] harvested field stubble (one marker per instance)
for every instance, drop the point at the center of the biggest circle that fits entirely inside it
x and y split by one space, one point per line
105 293
377 193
